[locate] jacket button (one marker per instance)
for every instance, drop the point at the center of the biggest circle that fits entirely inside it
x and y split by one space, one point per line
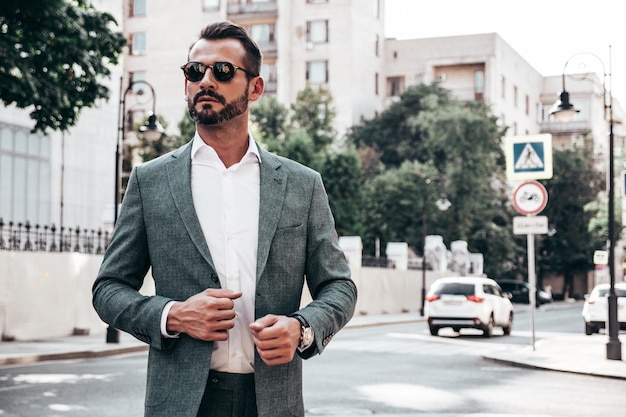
214 277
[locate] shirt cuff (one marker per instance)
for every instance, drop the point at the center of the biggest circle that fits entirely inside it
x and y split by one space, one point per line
164 314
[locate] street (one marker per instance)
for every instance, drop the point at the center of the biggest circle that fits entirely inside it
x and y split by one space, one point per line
390 369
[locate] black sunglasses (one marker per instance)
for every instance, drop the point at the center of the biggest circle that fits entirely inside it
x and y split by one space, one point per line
222 71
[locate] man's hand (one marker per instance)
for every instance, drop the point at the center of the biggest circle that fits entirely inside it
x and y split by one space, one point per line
276 338
205 316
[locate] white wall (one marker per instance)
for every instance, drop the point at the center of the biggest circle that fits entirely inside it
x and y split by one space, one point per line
46 295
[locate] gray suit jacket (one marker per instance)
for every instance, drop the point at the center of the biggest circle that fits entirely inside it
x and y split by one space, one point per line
158 228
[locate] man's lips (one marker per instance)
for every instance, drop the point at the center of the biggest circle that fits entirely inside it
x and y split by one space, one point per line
208 98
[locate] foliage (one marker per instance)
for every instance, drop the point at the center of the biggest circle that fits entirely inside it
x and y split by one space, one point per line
53 55
433 136
342 178
313 112
393 134
571 206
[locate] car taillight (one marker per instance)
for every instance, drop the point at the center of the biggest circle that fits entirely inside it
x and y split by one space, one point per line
475 299
432 298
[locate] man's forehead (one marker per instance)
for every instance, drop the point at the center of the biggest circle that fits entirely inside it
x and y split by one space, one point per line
228 48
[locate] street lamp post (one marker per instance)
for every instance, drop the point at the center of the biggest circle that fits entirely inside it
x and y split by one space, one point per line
442 204
564 111
152 131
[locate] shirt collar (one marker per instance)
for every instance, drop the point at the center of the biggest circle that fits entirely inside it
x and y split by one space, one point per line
198 144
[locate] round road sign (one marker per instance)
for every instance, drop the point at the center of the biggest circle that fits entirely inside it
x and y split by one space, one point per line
530 197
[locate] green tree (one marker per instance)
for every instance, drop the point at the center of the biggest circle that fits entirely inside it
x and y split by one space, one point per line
271 119
393 134
573 187
53 56
342 177
313 111
457 141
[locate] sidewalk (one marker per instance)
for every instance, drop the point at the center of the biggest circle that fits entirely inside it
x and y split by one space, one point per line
576 353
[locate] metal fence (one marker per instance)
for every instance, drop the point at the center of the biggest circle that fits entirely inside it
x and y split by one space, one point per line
377 262
26 237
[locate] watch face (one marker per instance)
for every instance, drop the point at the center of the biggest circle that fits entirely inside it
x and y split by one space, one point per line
307 336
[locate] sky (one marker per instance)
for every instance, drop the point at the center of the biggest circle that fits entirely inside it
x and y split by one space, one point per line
548 34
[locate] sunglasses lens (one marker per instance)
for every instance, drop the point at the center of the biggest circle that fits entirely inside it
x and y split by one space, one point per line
194 71
223 71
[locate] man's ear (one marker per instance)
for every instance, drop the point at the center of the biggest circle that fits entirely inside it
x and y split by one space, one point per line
257 86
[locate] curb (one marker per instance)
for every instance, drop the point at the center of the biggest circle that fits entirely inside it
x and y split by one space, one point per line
81 354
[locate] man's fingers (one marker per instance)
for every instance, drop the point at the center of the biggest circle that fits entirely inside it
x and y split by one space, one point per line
264 322
222 293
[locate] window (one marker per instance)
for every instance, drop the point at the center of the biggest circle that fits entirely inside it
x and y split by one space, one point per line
24 175
515 93
527 105
268 72
317 72
377 45
317 31
138 44
376 84
262 33
479 85
395 86
317 1
136 76
503 86
138 8
210 5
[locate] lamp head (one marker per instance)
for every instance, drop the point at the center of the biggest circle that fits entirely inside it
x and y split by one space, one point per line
562 109
152 129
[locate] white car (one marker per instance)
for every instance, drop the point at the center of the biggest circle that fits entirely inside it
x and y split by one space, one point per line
596 307
468 302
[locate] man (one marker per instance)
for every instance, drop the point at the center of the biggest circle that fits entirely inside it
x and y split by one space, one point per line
231 233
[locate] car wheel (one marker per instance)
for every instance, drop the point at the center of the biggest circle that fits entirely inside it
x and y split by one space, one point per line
589 329
509 325
434 330
456 329
488 328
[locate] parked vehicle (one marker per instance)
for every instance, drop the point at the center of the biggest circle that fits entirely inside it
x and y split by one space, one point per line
468 302
596 307
520 292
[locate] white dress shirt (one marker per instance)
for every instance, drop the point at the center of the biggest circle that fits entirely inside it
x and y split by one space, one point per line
227 204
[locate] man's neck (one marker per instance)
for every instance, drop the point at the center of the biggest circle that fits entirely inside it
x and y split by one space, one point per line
229 141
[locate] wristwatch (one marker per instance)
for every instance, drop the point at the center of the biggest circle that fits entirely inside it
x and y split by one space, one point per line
306 335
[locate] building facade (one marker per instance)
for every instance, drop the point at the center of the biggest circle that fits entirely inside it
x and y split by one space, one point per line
69 178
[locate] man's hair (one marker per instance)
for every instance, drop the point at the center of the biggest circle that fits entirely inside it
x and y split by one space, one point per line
228 30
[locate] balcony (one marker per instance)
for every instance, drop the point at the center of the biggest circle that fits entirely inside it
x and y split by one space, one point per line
244 10
577 126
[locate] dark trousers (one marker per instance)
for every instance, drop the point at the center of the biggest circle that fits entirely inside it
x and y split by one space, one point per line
229 395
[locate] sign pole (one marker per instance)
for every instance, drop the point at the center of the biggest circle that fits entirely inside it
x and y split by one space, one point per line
532 281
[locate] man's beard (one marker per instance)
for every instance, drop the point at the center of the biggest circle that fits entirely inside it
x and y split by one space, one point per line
208 116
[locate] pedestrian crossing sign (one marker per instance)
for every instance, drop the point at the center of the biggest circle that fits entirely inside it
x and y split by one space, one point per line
529 157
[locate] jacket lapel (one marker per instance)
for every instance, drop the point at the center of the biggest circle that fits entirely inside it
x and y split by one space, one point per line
273 185
179 177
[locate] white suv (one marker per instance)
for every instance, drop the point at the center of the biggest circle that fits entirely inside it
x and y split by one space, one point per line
596 307
468 302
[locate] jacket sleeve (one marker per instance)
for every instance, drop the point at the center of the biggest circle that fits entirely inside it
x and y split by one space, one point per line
327 274
115 293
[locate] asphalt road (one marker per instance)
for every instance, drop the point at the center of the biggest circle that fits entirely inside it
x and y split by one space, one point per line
398 370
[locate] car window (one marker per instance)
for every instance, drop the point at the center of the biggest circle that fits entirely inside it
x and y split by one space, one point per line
455 288
620 292
488 289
